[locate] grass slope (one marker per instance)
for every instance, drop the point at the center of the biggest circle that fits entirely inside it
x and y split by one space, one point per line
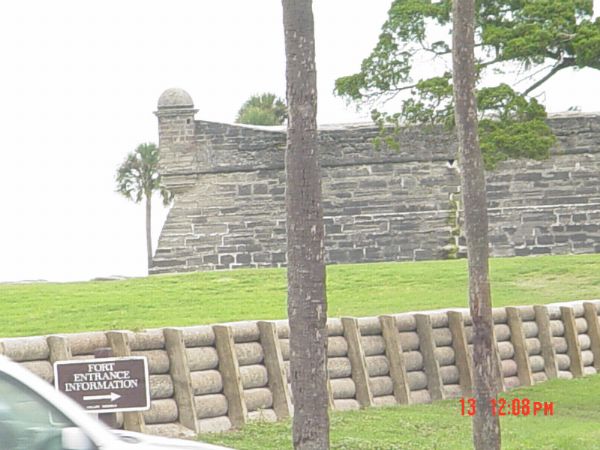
358 289
574 424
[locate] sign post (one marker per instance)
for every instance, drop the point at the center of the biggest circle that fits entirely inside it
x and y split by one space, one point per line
105 385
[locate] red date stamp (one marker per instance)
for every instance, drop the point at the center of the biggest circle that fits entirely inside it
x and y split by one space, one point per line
507 407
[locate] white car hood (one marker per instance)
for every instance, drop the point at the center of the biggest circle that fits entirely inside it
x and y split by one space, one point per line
95 430
148 442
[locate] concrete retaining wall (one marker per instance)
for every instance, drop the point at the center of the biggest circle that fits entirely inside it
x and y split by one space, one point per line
217 377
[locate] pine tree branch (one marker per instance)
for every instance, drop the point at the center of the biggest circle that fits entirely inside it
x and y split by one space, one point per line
567 62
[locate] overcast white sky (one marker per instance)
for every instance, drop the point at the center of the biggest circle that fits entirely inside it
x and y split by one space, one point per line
79 81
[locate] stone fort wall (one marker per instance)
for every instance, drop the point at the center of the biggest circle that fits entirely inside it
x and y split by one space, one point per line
229 207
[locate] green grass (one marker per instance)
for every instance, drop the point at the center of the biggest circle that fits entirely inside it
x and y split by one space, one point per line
574 424
358 289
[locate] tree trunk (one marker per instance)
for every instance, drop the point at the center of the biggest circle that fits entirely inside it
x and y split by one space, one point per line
307 305
486 427
149 229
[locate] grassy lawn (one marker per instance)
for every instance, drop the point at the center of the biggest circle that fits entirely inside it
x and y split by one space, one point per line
358 289
574 424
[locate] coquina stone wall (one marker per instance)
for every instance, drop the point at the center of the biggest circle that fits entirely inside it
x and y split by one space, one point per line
217 377
383 205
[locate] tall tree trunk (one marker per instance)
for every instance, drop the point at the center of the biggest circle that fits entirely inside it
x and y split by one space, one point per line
149 229
486 427
307 304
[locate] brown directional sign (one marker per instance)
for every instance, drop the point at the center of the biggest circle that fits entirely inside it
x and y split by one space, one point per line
106 384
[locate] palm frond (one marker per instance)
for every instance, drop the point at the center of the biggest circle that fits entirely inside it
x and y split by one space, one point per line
138 177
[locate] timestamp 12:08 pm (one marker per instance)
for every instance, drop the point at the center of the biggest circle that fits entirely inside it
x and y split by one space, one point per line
507 407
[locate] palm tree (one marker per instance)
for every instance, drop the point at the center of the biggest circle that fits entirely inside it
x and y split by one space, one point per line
138 178
263 109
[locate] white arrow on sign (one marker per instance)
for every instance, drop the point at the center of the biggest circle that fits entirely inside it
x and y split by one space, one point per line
112 397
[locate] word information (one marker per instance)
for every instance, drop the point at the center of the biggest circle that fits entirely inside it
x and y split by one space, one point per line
102 376
105 385
506 407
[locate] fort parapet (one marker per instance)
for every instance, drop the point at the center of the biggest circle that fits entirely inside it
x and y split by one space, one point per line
379 205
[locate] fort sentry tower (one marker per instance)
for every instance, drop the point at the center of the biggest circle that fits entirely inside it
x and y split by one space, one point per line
229 185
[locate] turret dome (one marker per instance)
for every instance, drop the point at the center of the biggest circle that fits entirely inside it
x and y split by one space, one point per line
175 98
